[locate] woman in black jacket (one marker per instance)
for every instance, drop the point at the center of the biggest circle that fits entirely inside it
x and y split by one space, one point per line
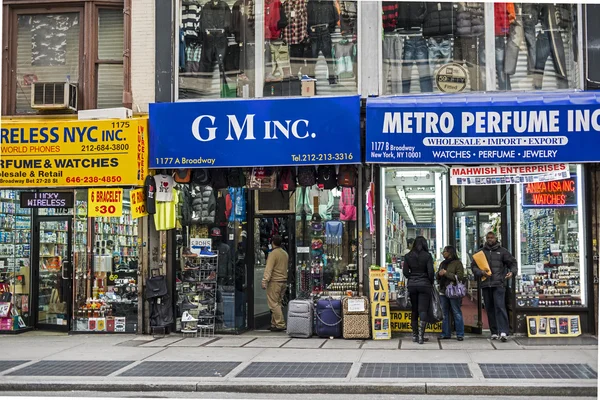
418 270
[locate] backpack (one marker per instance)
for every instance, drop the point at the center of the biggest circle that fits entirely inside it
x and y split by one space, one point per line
346 205
347 176
287 179
182 175
306 176
326 177
201 177
263 178
236 177
219 178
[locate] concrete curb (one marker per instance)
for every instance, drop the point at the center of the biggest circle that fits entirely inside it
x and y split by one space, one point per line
316 388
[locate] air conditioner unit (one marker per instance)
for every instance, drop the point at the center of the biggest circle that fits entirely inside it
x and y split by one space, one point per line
54 96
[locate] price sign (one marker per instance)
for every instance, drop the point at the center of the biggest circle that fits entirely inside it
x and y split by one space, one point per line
105 202
138 203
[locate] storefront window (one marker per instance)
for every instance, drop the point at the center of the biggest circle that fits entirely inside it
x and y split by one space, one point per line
536 46
15 257
433 47
415 204
310 48
47 51
216 48
550 246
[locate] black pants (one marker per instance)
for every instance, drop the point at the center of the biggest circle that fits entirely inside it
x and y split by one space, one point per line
298 55
320 40
471 51
548 44
420 297
495 307
214 47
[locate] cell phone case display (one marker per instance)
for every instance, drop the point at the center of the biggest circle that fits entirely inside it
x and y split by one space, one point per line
553 326
550 271
380 306
15 242
197 293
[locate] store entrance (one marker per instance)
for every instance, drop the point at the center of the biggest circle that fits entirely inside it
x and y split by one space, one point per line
52 270
264 230
470 228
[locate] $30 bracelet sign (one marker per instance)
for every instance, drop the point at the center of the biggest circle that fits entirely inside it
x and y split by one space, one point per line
105 202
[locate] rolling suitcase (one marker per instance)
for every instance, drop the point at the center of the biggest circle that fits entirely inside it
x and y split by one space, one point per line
300 318
356 321
329 318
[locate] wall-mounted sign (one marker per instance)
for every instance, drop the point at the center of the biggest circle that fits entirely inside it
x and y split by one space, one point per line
138 203
105 202
553 326
46 199
561 193
73 153
507 174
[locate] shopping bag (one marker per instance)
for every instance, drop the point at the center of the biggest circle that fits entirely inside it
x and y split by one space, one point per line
482 263
435 307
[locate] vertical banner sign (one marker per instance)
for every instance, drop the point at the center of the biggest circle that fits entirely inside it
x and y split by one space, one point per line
380 306
105 202
138 203
73 153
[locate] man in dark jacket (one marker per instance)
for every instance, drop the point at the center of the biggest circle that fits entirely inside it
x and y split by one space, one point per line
493 287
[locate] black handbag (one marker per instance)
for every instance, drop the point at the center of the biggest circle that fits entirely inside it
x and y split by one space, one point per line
156 286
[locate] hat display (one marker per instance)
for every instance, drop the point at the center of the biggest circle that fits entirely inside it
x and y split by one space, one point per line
215 231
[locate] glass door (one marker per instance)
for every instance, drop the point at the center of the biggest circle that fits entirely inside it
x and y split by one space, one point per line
468 242
54 276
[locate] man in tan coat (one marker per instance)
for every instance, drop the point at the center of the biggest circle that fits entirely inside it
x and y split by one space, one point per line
275 282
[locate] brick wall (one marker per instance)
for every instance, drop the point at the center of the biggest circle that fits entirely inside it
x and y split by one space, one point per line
142 54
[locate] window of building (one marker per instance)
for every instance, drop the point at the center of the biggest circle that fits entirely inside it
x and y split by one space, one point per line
46 55
536 46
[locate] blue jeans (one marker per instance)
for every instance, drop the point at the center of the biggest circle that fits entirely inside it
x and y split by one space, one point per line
459 324
416 50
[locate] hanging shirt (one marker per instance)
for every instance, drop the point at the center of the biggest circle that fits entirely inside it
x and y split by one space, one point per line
166 213
164 187
150 191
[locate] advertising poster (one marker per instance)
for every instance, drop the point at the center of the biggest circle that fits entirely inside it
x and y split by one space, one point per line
138 203
380 305
400 322
105 202
73 153
553 326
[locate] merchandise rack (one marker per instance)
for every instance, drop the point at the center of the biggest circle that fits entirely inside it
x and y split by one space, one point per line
199 291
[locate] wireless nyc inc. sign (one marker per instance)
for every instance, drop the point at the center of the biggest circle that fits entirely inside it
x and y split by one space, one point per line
249 133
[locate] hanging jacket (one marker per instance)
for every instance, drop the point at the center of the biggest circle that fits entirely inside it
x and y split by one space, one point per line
411 15
186 206
390 15
322 12
275 19
470 19
348 17
190 19
296 29
504 15
215 15
204 205
439 19
243 21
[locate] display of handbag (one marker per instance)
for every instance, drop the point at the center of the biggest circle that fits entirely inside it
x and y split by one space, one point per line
156 286
300 318
356 322
456 290
329 318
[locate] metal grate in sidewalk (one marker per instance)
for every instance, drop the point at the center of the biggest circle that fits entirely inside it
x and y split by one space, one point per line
295 370
181 369
538 371
71 368
8 364
414 370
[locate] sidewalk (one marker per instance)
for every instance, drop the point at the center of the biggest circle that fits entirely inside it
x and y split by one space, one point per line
264 362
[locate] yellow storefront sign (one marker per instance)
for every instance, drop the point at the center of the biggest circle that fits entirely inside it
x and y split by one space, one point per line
59 153
105 202
138 203
401 323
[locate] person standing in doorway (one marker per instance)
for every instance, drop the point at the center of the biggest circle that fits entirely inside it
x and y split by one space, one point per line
502 266
451 272
418 270
275 283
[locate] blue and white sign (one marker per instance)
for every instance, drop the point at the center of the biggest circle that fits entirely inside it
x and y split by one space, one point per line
255 133
484 128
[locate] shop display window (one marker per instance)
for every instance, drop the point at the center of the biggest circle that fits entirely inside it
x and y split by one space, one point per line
433 47
15 258
106 297
536 46
415 204
551 264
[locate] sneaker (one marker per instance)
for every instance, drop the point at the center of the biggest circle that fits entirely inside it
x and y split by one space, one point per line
204 252
186 304
188 253
503 337
494 336
191 266
460 338
186 317
212 276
